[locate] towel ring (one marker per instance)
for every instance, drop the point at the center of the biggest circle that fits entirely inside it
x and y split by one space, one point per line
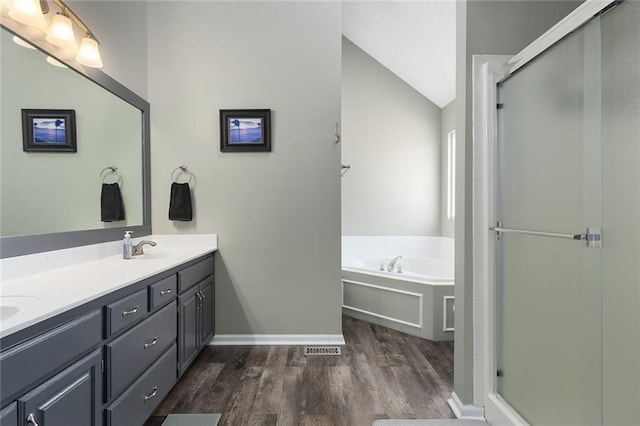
181 170
110 170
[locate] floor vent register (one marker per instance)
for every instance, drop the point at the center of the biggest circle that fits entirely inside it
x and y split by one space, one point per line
322 350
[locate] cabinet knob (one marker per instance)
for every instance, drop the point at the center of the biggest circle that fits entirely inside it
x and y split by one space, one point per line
163 292
31 418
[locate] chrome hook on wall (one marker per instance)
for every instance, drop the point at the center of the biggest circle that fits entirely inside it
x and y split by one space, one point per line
336 136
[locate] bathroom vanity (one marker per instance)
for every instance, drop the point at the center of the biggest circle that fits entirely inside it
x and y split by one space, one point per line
110 349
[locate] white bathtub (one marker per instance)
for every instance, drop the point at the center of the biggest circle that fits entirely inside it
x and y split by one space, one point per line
416 297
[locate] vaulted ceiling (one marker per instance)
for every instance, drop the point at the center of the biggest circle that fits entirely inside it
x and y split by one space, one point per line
416 40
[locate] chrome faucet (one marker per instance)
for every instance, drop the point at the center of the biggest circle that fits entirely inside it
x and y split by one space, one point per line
393 263
137 249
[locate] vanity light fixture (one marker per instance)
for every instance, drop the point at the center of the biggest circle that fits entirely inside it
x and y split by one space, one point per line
27 12
61 32
88 54
30 13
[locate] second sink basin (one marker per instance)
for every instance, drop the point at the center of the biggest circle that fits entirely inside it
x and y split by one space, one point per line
11 305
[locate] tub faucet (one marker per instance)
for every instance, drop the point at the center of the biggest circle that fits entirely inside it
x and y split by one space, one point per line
393 263
137 249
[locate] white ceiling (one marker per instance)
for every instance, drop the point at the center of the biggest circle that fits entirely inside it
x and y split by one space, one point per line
416 40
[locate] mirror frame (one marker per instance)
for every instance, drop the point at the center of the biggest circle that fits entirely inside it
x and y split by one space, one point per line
37 243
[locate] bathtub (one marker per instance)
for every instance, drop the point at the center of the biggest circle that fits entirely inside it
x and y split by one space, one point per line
416 297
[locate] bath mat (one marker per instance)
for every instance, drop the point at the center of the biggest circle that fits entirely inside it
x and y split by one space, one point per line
455 422
192 420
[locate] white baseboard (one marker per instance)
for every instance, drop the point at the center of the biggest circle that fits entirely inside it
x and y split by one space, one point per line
276 339
499 413
462 411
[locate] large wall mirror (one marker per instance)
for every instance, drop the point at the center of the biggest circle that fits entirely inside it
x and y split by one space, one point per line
52 199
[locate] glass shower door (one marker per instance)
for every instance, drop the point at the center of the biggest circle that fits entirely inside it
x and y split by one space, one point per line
549 315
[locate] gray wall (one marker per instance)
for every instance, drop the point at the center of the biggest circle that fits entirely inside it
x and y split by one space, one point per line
447 124
121 28
277 214
390 137
483 27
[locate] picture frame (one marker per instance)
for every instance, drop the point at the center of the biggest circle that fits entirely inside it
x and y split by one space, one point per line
245 130
49 130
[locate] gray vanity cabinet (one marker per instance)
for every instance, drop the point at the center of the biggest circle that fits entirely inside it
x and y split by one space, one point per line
9 415
207 314
196 311
131 352
196 321
112 361
189 304
137 403
72 397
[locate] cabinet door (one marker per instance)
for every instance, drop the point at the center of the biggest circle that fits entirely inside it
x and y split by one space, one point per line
189 333
206 330
70 398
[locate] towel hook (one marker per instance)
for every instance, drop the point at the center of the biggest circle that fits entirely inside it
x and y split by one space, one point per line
181 170
110 170
344 169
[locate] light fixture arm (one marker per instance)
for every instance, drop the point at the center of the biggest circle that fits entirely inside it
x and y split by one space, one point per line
66 10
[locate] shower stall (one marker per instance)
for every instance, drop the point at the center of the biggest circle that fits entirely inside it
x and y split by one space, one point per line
565 235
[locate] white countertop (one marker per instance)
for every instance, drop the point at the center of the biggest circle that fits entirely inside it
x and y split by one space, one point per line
60 286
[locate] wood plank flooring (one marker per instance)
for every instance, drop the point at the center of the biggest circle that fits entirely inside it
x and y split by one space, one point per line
381 374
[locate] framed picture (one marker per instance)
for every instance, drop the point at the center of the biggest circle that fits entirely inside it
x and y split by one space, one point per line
245 130
49 130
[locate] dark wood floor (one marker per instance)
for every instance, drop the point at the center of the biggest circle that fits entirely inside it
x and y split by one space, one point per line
381 374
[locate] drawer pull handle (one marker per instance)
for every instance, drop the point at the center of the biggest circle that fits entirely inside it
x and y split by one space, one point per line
163 292
31 418
152 394
151 343
130 312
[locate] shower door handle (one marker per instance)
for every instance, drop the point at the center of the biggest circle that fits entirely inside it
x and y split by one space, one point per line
592 236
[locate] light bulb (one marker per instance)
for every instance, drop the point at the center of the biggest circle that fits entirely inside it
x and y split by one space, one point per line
61 33
5 5
27 12
88 54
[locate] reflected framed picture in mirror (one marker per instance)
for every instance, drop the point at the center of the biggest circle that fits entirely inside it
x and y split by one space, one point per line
245 130
49 130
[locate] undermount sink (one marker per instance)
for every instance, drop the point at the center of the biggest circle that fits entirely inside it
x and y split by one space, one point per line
7 312
11 305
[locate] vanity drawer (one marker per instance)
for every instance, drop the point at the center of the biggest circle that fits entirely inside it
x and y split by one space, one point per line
9 415
162 292
37 358
136 405
126 311
137 348
192 275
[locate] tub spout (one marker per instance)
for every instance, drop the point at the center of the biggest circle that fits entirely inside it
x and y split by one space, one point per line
393 263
